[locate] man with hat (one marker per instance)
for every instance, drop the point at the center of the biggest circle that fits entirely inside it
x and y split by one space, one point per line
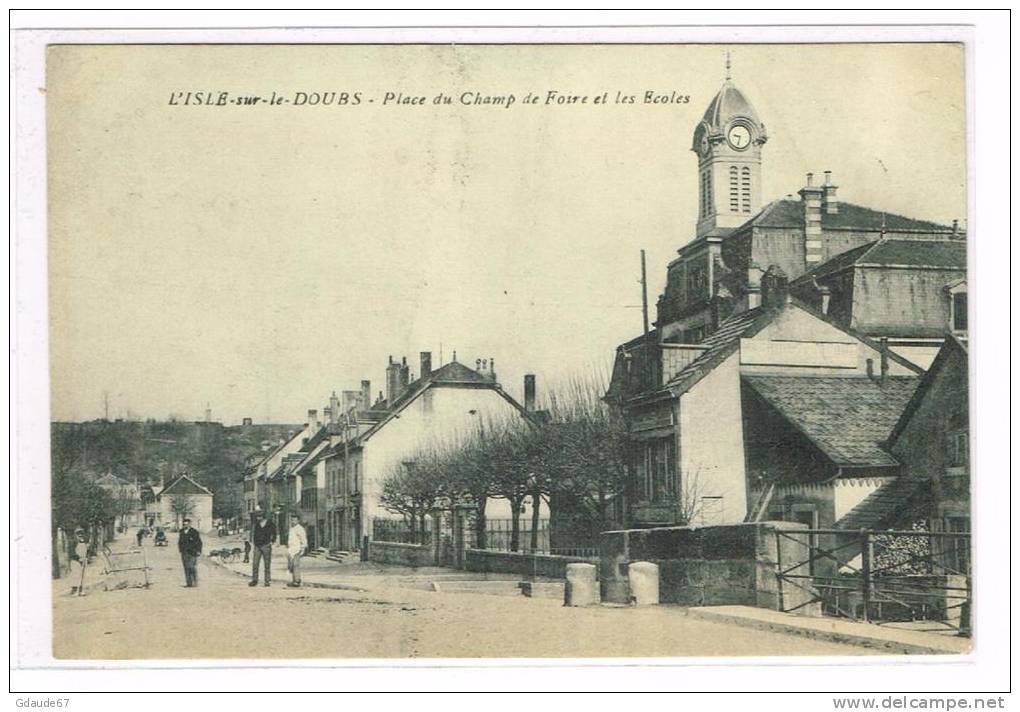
189 543
263 535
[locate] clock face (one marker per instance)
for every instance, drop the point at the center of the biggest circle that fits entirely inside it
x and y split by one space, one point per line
739 137
704 145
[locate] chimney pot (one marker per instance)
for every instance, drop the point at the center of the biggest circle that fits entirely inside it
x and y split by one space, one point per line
828 177
810 179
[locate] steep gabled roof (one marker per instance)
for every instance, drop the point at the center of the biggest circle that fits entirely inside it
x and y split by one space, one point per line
725 341
845 417
453 374
313 456
951 347
184 485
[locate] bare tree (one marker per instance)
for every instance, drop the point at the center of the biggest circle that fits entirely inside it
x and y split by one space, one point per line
182 506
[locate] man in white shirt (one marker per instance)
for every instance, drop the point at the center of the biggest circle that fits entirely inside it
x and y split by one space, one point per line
297 545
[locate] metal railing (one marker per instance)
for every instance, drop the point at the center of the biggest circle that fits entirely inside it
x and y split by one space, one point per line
917 577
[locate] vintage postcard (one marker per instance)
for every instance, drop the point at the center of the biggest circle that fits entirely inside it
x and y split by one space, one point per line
447 351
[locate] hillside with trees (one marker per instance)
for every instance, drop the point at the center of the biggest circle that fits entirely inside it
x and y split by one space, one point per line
153 451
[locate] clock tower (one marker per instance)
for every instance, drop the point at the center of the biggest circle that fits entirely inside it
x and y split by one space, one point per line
728 142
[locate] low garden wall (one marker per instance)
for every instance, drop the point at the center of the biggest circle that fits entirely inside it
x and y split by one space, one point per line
512 562
388 552
704 566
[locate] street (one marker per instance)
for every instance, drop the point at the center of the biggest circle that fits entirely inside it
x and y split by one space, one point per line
225 618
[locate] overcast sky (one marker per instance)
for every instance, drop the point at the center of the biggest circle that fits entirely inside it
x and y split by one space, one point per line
257 258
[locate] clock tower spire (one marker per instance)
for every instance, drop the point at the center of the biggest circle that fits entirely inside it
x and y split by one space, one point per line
728 141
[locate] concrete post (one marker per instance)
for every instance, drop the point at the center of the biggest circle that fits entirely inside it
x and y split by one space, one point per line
582 587
643 577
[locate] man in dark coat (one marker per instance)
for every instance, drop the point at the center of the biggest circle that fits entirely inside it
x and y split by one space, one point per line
189 543
263 535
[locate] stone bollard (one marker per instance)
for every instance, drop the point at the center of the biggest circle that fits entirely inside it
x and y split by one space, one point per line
582 586
644 583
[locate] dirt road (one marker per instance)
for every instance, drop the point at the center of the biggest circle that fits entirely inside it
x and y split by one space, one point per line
224 618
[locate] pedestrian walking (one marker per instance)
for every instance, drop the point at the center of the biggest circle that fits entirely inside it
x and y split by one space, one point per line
140 535
189 543
297 545
263 537
80 557
247 550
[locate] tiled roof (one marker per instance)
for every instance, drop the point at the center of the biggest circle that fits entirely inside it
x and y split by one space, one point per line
847 418
719 343
789 212
948 254
936 254
885 506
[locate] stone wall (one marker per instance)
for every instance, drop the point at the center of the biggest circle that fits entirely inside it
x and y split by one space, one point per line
387 552
509 562
704 566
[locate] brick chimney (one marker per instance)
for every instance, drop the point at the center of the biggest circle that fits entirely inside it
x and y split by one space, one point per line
775 288
366 394
425 359
405 374
313 416
829 203
334 407
392 380
811 197
529 392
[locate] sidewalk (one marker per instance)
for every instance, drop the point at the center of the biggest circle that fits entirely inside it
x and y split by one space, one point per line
896 641
357 575
361 576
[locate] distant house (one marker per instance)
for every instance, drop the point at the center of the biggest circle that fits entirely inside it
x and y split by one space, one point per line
129 511
184 498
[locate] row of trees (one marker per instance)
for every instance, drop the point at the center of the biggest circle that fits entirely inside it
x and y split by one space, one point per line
575 452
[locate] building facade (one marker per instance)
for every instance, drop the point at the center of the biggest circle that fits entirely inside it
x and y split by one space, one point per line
440 408
799 287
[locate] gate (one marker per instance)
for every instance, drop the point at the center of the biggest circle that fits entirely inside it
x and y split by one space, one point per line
918 577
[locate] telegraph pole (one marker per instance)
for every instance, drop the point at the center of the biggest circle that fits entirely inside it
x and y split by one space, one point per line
644 294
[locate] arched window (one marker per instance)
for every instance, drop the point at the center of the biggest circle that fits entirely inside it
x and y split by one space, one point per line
706 193
745 189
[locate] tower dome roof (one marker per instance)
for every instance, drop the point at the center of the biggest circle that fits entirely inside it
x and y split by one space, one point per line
728 103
